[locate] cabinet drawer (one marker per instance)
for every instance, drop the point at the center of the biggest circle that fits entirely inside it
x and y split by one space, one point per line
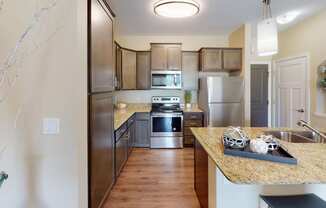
131 121
188 140
197 116
142 116
193 123
120 131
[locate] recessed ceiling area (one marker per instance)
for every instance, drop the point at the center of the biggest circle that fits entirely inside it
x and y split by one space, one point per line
216 17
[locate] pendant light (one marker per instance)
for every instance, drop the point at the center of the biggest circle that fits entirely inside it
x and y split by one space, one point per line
267 37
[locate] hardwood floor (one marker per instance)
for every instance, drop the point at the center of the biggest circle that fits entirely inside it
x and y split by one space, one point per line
156 179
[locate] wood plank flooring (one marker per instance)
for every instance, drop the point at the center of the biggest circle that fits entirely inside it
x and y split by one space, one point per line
156 179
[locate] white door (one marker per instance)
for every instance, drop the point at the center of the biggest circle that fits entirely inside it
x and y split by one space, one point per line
291 91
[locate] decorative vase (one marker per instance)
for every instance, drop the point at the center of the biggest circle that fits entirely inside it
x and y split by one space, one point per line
188 97
258 146
188 105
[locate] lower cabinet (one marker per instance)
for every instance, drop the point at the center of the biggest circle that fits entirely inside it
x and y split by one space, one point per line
201 174
121 152
191 119
142 125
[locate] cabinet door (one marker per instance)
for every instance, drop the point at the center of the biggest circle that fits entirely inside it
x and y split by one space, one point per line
118 69
142 130
143 70
201 174
121 153
211 60
190 68
101 148
158 57
232 59
128 69
101 49
174 57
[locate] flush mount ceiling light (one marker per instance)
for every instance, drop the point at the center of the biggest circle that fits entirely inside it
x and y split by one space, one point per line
267 37
176 9
287 17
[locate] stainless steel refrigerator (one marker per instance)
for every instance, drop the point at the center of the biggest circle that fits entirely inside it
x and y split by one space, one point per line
221 98
101 108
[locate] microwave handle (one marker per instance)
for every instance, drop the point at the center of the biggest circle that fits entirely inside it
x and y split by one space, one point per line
175 80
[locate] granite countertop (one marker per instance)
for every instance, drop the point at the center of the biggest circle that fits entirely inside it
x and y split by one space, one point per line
311 168
122 115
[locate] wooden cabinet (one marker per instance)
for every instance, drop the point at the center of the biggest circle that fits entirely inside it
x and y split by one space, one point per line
128 66
201 174
210 59
232 59
101 49
174 57
142 122
191 120
118 67
190 68
220 59
166 57
101 147
143 80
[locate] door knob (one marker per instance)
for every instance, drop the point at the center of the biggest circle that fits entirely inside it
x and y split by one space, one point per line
300 110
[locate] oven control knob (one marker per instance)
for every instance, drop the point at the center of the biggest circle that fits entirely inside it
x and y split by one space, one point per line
174 129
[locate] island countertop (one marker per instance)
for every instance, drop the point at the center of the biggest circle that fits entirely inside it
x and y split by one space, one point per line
311 168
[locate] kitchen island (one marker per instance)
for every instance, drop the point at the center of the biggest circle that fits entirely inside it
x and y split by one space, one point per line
238 182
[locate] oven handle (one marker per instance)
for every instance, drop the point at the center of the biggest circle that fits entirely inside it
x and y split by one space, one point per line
167 115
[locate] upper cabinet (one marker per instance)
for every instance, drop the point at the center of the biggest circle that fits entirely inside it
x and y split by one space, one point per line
190 68
101 49
143 70
220 59
210 59
232 59
128 68
166 57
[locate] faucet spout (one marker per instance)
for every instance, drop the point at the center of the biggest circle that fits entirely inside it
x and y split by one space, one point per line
305 124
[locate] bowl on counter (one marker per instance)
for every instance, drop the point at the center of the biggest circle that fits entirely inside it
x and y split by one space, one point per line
121 106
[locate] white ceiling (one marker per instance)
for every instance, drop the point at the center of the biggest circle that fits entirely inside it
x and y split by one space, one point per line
217 17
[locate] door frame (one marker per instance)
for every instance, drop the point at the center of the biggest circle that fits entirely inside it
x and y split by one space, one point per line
270 97
307 84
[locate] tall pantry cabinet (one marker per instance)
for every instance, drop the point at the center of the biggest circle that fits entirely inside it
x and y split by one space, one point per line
100 99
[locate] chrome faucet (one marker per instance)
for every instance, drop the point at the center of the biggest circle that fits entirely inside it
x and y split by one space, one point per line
305 124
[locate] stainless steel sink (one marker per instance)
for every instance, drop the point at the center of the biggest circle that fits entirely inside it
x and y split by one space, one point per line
295 136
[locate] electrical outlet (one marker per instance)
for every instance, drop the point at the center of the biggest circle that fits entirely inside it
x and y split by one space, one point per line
51 126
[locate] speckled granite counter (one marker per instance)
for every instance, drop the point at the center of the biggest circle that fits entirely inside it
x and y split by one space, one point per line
311 168
121 116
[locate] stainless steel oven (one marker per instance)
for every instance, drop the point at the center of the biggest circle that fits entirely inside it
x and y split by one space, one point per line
166 130
166 80
167 124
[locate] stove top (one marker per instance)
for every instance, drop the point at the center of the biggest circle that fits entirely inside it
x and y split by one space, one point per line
166 105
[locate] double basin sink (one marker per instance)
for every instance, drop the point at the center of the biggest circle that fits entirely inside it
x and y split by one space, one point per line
296 136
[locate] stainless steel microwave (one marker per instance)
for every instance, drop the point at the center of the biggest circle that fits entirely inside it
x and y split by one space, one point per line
166 79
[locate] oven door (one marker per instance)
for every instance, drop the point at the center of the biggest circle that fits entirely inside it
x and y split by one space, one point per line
166 80
167 125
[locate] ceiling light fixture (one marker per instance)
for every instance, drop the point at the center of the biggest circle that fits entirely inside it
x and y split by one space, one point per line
176 9
267 37
287 17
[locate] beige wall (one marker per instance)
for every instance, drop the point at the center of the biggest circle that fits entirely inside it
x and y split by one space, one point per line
188 42
241 38
48 79
307 37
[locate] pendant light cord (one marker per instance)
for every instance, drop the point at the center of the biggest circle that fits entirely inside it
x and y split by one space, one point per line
267 11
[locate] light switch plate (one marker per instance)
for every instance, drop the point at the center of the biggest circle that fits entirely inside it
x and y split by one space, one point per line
51 126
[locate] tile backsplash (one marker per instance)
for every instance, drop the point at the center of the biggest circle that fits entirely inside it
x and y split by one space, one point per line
145 96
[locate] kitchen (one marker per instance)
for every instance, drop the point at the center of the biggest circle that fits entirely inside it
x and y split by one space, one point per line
163 95
192 103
